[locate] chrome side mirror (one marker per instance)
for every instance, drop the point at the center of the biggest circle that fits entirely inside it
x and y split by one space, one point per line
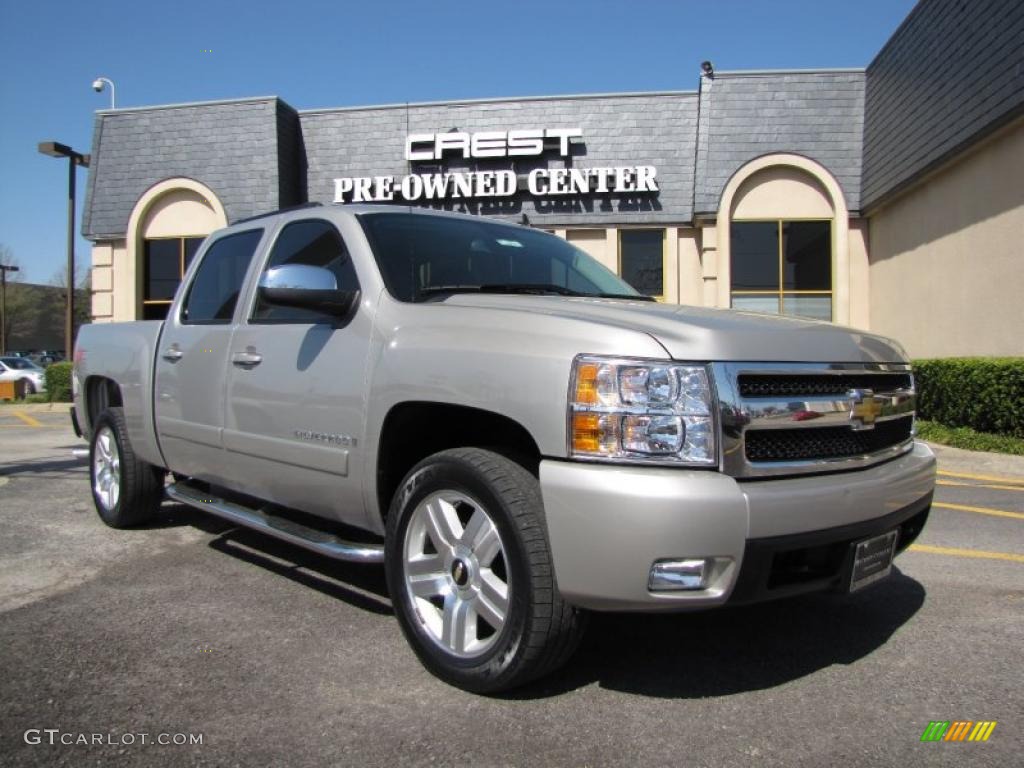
305 286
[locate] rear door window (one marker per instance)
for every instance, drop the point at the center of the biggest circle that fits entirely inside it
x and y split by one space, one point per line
214 291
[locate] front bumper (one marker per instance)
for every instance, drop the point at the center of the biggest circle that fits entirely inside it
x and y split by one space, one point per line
609 524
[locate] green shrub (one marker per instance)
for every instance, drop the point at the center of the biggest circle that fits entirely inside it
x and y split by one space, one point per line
968 439
58 382
983 393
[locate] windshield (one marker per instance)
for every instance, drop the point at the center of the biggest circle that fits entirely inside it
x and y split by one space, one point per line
424 257
19 364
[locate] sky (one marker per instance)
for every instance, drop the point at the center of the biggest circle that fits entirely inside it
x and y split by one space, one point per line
341 53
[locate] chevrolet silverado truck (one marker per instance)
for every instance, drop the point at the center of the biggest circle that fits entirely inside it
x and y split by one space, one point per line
510 428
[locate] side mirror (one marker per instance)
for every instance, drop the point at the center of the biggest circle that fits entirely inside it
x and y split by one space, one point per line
307 287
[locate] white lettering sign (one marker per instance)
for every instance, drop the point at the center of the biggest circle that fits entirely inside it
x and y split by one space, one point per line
528 142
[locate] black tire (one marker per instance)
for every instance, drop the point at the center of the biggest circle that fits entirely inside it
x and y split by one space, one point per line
140 485
30 388
540 630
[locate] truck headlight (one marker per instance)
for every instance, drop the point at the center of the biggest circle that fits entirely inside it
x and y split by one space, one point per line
646 411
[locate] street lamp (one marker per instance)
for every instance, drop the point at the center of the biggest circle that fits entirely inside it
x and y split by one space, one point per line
4 269
97 85
75 159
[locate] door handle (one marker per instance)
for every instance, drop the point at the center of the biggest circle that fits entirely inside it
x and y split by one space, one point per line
172 354
246 359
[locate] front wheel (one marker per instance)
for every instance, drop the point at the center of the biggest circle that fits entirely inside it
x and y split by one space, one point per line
126 490
470 573
30 388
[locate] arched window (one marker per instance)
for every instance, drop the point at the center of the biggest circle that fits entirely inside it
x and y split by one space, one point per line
784 240
167 228
781 245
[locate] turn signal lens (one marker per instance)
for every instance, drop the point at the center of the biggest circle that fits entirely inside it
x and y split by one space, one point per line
586 384
596 433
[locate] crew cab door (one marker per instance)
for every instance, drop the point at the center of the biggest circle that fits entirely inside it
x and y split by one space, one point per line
192 358
296 386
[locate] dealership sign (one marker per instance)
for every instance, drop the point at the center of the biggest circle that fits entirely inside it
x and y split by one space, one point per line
530 142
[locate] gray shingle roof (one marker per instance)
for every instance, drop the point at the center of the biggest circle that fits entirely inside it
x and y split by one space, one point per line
951 73
747 115
232 147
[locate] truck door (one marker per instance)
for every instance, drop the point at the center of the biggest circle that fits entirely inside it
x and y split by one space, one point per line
294 420
192 358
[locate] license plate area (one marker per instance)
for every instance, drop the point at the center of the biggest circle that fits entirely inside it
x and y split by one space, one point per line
872 559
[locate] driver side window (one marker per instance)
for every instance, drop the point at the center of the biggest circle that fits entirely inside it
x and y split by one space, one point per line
316 243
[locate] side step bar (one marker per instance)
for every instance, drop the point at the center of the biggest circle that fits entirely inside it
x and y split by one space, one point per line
287 530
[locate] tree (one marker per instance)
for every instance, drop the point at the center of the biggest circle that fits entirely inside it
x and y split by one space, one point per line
83 296
22 307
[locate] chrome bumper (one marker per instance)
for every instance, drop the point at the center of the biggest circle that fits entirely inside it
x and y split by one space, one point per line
609 524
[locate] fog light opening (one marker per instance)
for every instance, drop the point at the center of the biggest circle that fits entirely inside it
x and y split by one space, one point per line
677 575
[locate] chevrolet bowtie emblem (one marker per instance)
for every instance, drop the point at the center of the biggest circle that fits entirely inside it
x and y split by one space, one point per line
865 408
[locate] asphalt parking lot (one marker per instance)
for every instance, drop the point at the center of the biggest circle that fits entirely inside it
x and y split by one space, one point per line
275 656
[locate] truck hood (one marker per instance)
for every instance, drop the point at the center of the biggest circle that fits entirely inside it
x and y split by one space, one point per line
696 333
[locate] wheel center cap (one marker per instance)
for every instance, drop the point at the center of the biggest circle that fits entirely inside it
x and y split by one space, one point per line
460 573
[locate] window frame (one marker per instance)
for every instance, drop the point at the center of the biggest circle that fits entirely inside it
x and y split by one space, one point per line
660 297
197 263
269 252
781 293
182 268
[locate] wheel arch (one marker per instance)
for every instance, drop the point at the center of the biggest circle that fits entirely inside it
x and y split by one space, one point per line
100 393
413 430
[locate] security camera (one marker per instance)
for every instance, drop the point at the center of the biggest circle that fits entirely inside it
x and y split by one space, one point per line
97 85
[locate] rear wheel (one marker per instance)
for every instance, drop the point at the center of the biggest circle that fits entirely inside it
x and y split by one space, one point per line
126 490
470 574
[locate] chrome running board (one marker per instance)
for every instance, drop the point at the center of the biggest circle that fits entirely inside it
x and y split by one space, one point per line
321 542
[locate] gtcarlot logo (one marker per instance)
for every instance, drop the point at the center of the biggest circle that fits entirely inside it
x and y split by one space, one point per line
958 730
55 736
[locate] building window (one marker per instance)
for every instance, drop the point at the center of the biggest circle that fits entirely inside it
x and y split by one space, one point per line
642 260
782 267
165 260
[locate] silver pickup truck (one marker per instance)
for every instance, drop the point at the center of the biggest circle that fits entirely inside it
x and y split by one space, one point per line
511 429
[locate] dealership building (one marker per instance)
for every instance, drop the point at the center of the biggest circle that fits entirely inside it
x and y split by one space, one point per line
889 198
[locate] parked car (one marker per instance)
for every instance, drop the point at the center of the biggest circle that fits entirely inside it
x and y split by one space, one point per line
23 369
510 428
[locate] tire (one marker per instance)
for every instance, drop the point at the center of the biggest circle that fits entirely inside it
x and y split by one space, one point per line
470 573
126 490
30 388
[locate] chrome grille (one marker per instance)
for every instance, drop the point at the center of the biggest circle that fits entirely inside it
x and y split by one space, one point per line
781 419
824 442
759 385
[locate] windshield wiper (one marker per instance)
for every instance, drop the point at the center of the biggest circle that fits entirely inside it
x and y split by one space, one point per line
539 289
561 290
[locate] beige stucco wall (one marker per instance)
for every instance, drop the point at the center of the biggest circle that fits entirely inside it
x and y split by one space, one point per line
781 192
947 257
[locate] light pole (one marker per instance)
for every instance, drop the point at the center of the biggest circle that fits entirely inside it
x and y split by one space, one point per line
75 159
4 269
97 85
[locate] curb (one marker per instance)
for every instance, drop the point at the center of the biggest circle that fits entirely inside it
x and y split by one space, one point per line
35 407
1001 465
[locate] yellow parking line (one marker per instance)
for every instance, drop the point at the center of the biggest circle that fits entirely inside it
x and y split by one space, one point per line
979 510
981 485
1012 557
992 478
26 418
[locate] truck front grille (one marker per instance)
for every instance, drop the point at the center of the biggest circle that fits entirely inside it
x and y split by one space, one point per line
782 419
825 442
780 385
